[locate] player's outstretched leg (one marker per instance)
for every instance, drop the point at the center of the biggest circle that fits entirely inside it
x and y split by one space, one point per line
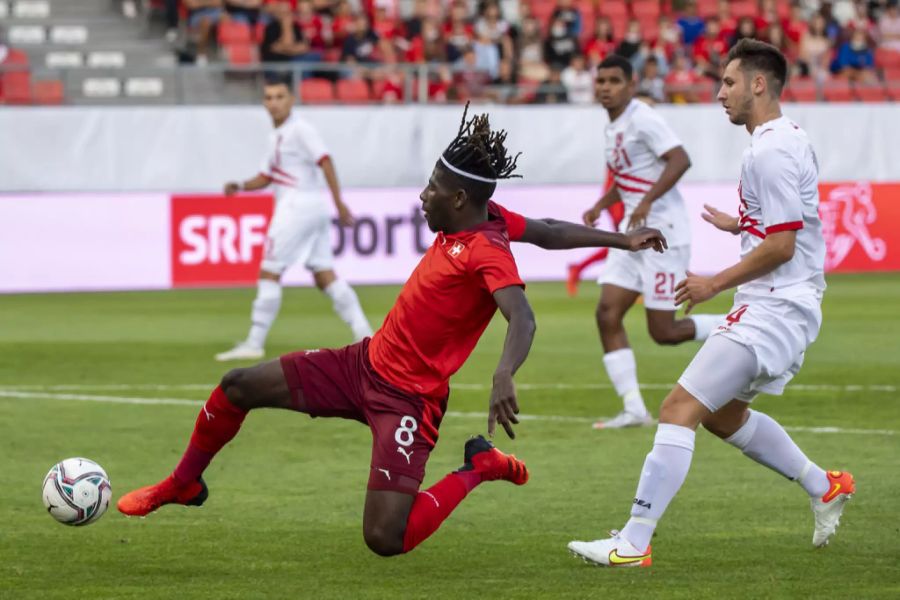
395 523
762 439
219 421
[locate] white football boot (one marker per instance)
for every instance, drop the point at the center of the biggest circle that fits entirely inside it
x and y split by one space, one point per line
611 552
242 351
625 419
827 509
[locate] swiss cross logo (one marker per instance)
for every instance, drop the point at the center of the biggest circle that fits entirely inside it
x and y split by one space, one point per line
456 249
218 240
847 214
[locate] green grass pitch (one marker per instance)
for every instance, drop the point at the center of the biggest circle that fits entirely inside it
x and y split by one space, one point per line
285 512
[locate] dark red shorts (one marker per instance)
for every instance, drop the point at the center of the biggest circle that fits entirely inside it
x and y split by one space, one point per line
342 383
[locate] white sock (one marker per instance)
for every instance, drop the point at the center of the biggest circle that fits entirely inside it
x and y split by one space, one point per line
765 441
661 477
705 324
622 370
346 305
265 309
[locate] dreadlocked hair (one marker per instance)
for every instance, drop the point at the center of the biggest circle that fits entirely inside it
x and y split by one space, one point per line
480 151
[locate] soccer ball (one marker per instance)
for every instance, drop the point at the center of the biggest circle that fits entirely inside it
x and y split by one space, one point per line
76 491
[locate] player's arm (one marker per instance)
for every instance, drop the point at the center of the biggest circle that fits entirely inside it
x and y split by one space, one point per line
519 334
677 163
562 235
344 215
253 184
721 220
592 215
774 251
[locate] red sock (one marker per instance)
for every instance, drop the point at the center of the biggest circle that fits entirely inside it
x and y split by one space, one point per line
219 421
435 504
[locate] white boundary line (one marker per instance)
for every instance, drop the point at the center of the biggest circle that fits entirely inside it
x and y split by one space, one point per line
26 395
454 386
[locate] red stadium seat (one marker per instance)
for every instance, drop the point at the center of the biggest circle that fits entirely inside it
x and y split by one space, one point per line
893 90
708 8
241 54
259 32
887 59
614 8
16 57
15 87
872 93
619 25
838 90
542 11
48 92
586 8
316 91
234 32
892 73
645 9
353 91
649 28
801 90
744 8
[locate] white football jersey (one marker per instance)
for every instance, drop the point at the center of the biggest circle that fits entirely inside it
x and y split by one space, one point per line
634 143
295 152
779 191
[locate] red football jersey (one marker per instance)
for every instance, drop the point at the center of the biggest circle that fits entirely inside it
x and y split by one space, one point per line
446 304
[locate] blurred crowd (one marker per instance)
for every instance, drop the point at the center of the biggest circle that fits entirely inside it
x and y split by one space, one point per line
545 50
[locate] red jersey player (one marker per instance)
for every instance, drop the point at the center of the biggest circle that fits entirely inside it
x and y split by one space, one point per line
397 381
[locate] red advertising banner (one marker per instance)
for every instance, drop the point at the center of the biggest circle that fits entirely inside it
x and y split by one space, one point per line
218 240
859 221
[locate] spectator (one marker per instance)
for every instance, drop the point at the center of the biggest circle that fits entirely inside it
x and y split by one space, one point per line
171 20
361 44
560 47
470 82
652 83
657 51
492 27
504 88
413 25
775 36
727 22
532 66
795 26
889 27
487 56
311 25
861 21
815 49
710 49
341 22
567 12
601 44
459 32
681 81
552 91
283 41
855 59
746 29
203 16
243 11
578 81
430 46
768 15
632 40
691 24
842 11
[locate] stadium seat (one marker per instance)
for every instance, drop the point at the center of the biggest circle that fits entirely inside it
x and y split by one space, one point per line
63 59
16 87
144 87
101 87
16 57
542 11
586 8
893 90
707 8
614 8
649 27
106 59
241 54
887 59
892 73
316 91
234 32
26 34
69 34
872 93
619 25
745 8
31 9
645 9
838 90
801 89
353 91
48 92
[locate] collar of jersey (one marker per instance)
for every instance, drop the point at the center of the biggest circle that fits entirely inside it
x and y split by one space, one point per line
762 126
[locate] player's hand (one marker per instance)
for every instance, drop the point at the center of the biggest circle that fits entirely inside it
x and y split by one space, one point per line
591 216
645 238
693 290
232 188
721 220
639 216
504 406
345 217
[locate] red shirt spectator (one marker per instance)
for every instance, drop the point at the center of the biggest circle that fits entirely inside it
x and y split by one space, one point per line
795 26
311 25
711 47
727 23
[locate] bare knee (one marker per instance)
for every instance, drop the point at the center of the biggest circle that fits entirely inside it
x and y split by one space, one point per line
383 541
608 316
665 335
725 422
236 386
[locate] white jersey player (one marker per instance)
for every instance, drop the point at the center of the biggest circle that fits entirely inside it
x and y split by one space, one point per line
645 159
301 223
759 346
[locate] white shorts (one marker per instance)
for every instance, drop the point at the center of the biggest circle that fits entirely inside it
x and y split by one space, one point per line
758 348
300 231
649 273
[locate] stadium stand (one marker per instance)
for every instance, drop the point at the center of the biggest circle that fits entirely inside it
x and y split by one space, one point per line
507 51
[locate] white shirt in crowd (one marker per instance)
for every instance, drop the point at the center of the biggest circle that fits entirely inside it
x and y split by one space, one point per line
779 191
635 141
579 85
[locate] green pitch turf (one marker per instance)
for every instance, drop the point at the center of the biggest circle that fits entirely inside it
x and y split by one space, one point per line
284 516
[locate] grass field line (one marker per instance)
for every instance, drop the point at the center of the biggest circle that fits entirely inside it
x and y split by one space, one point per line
800 387
34 395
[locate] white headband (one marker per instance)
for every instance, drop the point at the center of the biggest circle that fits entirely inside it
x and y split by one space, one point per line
465 174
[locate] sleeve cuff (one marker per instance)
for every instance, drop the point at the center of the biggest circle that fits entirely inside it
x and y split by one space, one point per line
789 226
